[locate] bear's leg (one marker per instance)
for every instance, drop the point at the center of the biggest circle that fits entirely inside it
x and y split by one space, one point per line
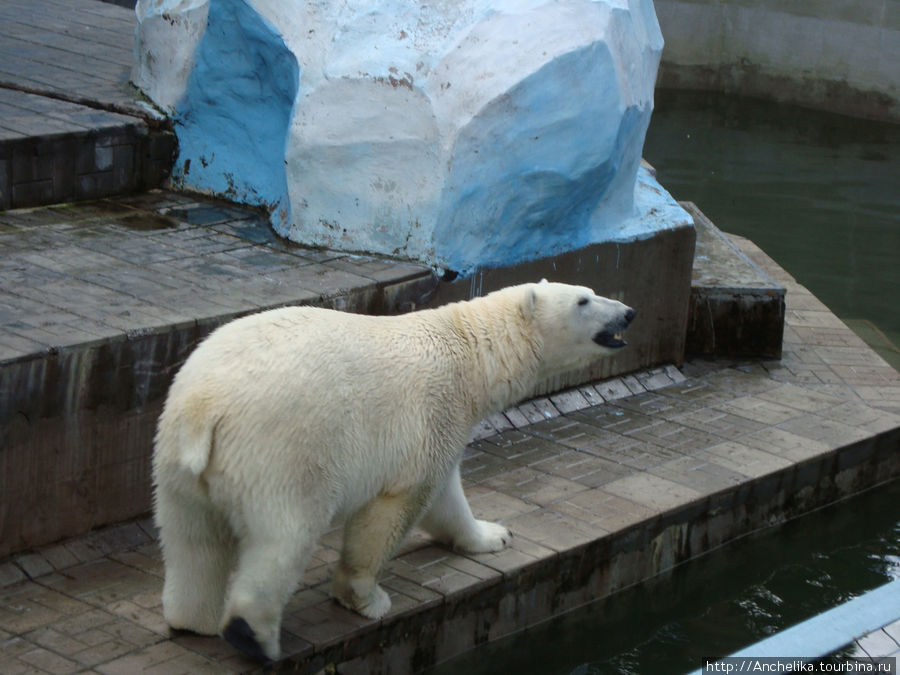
198 552
449 519
273 554
371 535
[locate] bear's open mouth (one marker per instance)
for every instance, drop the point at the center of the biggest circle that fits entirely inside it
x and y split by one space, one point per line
609 340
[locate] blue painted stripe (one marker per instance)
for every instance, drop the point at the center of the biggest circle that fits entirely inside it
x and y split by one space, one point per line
234 118
829 631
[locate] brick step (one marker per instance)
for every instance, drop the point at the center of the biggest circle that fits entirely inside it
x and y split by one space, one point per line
736 309
54 151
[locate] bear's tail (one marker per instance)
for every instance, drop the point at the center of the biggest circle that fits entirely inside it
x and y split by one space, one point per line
195 437
195 448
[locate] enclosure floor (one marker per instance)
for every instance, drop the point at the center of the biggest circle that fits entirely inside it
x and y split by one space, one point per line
72 127
77 275
564 473
75 51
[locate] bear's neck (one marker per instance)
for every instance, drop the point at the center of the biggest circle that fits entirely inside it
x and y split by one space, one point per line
503 354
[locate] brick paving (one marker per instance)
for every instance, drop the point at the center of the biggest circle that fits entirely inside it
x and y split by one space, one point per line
71 125
72 50
90 272
879 643
563 472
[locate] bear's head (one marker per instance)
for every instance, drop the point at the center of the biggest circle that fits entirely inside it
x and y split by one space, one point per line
575 324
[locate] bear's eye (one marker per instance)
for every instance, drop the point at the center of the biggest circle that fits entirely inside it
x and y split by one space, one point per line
583 301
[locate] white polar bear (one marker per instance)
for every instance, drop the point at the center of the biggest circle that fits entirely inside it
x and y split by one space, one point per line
282 421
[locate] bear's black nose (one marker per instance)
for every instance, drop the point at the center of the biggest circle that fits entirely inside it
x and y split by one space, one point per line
629 315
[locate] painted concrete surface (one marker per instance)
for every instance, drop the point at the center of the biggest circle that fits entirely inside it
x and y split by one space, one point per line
232 118
831 55
432 132
602 486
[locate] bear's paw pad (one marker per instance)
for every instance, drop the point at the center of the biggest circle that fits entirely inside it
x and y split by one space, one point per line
239 635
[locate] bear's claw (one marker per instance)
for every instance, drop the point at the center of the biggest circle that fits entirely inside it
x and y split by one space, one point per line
239 634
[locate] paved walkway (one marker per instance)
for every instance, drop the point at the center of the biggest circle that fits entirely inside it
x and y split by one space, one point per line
572 475
78 51
83 273
71 125
879 643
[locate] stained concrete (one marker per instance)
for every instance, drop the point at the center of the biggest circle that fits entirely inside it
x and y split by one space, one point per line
619 270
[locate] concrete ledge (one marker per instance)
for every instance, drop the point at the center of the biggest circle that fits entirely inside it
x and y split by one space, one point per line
816 54
55 151
736 309
504 601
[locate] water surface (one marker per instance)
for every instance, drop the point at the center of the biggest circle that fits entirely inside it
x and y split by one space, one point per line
820 193
715 604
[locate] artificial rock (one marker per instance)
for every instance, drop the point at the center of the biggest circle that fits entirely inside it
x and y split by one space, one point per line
465 134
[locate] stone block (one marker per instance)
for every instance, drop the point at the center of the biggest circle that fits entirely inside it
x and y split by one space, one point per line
736 309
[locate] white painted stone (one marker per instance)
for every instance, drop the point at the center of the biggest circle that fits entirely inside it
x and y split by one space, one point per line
165 39
462 134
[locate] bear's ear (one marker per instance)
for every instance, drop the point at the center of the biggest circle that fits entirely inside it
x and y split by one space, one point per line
544 281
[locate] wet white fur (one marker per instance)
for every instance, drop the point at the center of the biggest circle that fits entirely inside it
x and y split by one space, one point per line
281 421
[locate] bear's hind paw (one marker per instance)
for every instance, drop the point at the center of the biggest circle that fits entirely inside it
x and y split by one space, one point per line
239 635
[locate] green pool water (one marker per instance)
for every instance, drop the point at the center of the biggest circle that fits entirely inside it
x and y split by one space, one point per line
716 604
820 193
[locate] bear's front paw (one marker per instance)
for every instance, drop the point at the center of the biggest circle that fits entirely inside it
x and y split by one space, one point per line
354 595
378 605
486 538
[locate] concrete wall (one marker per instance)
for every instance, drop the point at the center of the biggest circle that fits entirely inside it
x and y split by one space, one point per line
830 54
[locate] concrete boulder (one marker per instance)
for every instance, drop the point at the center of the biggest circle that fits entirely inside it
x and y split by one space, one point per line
477 133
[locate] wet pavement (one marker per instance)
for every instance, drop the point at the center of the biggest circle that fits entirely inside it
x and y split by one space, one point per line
72 127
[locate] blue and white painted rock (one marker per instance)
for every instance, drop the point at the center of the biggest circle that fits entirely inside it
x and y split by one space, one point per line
461 134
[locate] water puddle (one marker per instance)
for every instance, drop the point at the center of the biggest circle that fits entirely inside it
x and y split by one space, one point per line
146 222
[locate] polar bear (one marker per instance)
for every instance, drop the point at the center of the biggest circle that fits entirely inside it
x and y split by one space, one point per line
282 421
